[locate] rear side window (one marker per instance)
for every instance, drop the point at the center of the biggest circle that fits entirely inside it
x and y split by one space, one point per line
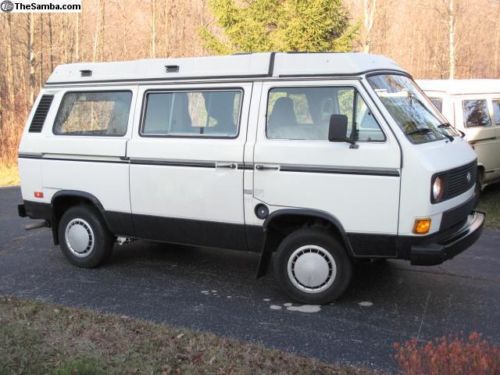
203 113
476 113
303 113
94 113
496 111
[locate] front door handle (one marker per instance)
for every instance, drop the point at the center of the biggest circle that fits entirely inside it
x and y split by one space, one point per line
267 167
226 165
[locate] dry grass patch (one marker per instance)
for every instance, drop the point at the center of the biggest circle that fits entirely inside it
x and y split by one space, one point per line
9 175
43 338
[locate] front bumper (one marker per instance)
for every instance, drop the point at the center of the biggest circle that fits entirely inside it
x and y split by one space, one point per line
439 249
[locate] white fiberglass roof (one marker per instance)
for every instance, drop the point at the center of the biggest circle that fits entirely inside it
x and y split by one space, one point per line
233 66
461 86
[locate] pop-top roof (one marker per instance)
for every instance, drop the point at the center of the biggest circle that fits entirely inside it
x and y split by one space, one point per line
461 86
234 66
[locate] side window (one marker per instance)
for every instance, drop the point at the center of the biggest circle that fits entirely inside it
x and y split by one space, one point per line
476 113
93 113
496 111
438 103
303 113
192 113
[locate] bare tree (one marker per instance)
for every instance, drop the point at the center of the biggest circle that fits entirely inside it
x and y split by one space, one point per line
153 29
77 37
99 31
452 20
9 71
369 8
30 52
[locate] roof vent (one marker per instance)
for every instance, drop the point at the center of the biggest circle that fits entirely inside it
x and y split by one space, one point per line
86 73
172 68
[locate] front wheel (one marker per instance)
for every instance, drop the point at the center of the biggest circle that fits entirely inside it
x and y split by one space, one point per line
84 238
312 266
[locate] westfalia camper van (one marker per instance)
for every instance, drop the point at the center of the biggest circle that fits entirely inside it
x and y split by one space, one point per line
472 105
311 160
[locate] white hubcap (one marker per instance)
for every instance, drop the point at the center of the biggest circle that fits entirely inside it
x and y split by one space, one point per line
79 237
311 269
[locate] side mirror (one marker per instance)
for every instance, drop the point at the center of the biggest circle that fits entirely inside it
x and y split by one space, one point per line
337 131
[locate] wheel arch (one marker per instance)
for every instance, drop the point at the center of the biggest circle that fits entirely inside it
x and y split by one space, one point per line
275 230
64 199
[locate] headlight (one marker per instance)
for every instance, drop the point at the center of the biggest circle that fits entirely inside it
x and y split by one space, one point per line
437 189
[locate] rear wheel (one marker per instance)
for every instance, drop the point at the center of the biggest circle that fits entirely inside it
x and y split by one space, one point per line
84 238
312 266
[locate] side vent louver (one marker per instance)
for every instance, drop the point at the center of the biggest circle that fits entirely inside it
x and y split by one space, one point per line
41 113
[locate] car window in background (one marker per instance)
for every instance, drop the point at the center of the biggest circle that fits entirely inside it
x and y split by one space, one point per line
438 103
476 113
496 111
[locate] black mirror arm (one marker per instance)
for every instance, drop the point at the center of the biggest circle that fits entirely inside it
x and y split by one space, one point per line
353 144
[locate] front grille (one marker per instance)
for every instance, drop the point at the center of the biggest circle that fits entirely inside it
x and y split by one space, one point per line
459 180
457 216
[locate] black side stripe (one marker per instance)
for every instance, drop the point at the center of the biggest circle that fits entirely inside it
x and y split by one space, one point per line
40 157
241 166
473 142
174 163
338 170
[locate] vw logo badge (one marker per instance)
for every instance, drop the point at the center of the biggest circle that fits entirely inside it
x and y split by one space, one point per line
469 176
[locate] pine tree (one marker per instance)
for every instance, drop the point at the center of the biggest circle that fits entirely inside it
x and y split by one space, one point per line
280 25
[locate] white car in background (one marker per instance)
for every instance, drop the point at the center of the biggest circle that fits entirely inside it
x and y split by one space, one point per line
472 106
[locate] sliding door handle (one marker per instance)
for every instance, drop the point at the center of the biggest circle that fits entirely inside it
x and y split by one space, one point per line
226 165
267 167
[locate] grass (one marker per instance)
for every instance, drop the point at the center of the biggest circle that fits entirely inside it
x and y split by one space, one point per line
8 175
37 338
490 203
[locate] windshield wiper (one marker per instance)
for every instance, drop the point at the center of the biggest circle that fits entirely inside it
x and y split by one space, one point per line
446 125
420 131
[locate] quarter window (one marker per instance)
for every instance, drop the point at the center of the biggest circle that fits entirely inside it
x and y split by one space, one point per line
93 113
206 113
476 113
303 113
438 103
496 111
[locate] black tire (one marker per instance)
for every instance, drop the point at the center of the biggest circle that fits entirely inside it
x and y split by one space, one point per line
80 220
317 242
479 187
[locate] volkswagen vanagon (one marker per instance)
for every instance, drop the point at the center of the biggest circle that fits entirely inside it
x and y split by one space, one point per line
311 160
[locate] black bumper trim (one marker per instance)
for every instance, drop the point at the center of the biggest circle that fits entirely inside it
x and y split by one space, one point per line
432 253
21 210
35 210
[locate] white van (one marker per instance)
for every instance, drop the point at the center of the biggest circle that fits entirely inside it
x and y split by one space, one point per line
311 160
473 106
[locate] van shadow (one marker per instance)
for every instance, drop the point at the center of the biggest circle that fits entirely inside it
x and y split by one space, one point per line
186 258
239 267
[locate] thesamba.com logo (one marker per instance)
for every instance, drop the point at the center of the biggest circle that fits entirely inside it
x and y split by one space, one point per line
7 6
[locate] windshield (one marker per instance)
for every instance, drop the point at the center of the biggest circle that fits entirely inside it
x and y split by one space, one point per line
411 109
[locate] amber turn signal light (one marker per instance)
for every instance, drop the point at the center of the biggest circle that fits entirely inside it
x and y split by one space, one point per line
38 194
422 226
